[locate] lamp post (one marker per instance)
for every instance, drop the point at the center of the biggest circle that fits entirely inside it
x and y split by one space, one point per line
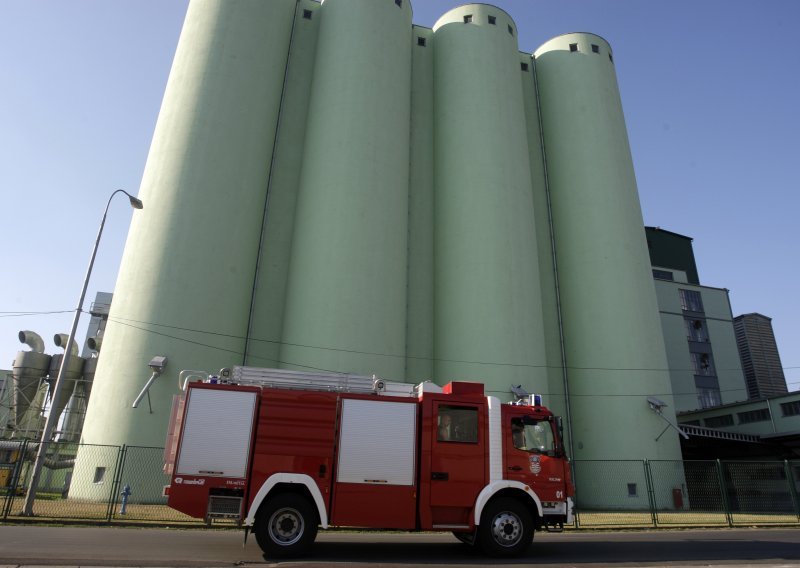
50 423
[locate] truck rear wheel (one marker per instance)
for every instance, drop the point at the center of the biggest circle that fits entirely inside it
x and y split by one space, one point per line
506 528
286 526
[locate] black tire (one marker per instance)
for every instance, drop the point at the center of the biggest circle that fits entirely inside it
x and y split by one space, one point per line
506 528
286 526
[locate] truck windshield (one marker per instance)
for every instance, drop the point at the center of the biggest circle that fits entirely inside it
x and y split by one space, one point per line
532 436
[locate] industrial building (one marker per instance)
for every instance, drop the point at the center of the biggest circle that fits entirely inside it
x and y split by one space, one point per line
698 327
332 187
760 358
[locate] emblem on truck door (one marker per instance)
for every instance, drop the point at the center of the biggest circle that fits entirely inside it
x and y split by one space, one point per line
536 467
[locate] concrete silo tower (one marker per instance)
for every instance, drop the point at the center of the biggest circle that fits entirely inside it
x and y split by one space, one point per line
346 295
488 314
612 334
190 257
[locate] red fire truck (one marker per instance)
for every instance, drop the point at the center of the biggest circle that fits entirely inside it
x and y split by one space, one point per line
285 452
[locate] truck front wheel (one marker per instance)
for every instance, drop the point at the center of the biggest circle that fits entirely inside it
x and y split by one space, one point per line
286 526
506 528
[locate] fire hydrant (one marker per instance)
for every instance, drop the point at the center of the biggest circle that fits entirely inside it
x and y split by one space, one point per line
126 492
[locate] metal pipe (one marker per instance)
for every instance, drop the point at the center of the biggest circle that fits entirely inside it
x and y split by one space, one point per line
50 424
146 388
32 340
66 342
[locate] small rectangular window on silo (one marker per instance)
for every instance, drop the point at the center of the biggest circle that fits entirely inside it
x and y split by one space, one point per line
492 20
468 19
595 48
421 41
573 47
307 14
631 490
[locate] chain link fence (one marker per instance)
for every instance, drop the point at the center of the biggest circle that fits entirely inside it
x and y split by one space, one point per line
686 493
124 484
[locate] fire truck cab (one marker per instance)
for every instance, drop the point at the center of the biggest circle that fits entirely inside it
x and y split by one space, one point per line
286 452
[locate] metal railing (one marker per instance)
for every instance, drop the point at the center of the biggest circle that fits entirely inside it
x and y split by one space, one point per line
124 484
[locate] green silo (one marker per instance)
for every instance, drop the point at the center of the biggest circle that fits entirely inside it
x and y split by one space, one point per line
186 276
488 314
419 331
555 396
269 291
612 333
346 294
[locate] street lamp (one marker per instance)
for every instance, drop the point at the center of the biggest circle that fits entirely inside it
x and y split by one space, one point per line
50 423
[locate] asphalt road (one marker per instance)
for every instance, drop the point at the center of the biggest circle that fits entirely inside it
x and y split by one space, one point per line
34 545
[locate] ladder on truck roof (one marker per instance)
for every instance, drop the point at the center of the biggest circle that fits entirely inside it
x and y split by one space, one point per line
331 382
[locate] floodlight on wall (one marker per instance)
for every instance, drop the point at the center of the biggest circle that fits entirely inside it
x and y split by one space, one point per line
657 405
157 364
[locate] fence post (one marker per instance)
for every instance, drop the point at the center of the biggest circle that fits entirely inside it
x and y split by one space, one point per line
651 493
112 499
792 488
724 491
16 473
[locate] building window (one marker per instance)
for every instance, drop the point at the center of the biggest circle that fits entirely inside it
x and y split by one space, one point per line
523 66
690 423
703 364
719 421
663 275
760 415
708 397
421 41
595 48
632 491
573 47
691 301
307 14
468 19
492 20
791 408
510 29
99 474
399 3
696 330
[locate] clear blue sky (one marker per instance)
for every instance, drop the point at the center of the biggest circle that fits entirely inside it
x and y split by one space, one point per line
710 91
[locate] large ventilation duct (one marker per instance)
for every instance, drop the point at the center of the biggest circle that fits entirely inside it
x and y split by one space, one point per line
94 343
76 410
28 370
32 340
71 375
61 340
64 462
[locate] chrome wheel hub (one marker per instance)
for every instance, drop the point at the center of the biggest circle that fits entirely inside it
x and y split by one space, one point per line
506 529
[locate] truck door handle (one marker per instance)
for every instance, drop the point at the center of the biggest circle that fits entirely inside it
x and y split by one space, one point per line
515 468
440 475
